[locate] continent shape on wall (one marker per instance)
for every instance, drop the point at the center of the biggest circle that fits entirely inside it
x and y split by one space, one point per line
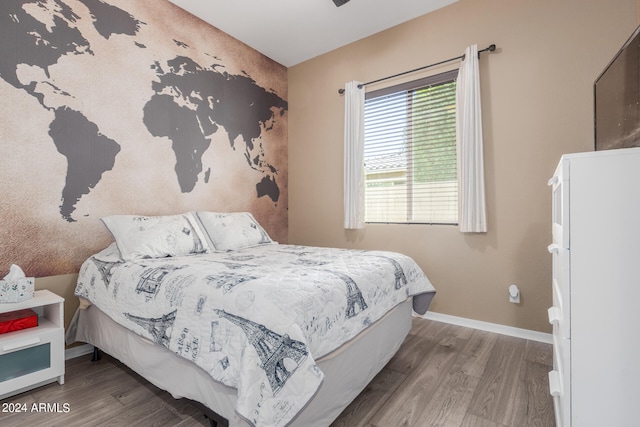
191 102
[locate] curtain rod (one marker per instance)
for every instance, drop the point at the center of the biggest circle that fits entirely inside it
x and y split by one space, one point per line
491 48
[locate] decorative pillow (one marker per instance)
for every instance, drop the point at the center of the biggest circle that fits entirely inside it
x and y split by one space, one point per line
229 231
156 236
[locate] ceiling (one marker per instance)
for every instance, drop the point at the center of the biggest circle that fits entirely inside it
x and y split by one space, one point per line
292 31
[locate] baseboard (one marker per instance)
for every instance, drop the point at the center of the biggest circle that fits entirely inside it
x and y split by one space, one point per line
77 351
491 327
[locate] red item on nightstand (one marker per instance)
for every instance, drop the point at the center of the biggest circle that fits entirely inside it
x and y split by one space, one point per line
17 320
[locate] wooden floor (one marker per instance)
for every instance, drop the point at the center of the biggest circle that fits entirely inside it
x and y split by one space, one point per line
443 375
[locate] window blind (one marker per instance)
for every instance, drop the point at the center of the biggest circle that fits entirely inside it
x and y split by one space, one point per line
410 152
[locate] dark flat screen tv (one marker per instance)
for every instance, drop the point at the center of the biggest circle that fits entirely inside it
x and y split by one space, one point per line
617 99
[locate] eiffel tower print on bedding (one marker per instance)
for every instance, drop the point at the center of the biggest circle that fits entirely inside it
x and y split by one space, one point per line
255 319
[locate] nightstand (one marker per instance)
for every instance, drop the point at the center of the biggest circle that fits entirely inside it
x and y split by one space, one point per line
34 356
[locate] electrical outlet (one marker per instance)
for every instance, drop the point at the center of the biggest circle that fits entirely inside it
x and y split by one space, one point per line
514 294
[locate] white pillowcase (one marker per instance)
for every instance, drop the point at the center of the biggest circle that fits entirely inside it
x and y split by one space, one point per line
236 230
156 236
109 254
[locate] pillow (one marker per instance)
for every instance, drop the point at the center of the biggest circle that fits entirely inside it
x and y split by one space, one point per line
156 236
229 231
109 254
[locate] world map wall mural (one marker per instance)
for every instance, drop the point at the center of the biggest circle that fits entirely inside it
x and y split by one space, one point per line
129 107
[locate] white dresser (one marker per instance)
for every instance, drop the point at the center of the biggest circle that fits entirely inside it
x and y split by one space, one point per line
596 289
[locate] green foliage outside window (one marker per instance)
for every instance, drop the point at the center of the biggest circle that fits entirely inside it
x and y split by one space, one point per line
432 133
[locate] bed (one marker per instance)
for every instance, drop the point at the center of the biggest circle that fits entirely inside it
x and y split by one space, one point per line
206 306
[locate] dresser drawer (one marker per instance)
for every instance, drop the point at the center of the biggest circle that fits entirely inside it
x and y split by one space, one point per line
561 289
559 377
560 206
561 355
558 312
559 403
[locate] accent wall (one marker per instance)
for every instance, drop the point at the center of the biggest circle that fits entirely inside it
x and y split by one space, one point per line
129 107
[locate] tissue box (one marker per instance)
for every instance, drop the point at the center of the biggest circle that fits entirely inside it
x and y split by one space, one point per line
17 320
16 290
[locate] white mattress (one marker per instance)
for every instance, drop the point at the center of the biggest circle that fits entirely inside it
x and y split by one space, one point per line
347 370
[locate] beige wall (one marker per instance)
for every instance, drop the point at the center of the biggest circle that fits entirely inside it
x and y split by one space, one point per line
62 285
537 101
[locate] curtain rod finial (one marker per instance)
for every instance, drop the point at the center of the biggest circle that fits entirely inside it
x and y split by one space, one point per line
341 90
492 47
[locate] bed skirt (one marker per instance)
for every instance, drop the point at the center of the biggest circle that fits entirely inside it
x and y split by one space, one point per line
347 370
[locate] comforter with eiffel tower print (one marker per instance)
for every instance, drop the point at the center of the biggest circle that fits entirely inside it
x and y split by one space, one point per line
255 319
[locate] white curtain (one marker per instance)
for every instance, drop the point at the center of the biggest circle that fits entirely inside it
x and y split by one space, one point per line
353 156
473 217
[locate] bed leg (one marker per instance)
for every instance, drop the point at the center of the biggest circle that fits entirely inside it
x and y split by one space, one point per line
215 420
212 423
96 354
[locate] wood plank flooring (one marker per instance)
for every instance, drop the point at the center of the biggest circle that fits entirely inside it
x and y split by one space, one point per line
443 375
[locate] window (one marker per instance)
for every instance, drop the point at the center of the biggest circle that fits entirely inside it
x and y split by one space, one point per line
410 152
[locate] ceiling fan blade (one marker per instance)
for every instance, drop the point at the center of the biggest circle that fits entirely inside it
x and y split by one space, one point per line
340 2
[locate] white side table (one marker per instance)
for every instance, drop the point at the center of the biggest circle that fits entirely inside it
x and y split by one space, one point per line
34 356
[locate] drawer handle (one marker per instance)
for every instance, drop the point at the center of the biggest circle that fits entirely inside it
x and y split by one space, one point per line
554 384
553 248
552 181
555 315
20 344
